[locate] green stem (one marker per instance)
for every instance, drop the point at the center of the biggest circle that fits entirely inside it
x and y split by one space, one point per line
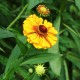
13 22
66 71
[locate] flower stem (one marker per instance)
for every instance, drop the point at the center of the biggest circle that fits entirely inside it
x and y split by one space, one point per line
13 22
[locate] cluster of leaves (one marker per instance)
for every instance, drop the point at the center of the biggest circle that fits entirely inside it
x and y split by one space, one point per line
17 56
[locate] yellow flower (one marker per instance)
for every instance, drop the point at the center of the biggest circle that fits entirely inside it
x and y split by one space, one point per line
43 10
39 33
40 69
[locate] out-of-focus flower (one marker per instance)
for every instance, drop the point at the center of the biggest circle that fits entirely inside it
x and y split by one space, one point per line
39 33
30 70
43 10
40 69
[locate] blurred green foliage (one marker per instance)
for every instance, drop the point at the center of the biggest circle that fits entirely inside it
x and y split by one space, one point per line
17 55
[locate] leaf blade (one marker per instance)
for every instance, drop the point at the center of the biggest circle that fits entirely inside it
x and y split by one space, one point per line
77 2
41 58
5 34
56 68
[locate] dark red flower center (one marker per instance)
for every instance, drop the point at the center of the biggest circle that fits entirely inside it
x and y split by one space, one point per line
42 29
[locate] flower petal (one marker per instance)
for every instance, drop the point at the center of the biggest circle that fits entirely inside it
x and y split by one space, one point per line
37 45
33 38
52 39
47 24
52 30
45 44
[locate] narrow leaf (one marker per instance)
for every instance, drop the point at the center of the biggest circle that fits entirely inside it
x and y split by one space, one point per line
13 57
56 64
3 60
74 59
33 3
66 70
5 34
22 71
74 35
41 58
77 2
22 47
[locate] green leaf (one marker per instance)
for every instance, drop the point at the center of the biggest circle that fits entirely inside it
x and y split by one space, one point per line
55 48
67 42
66 70
74 35
36 77
24 2
3 60
74 59
4 10
5 34
77 41
4 44
22 71
62 76
41 58
21 38
5 15
1 77
13 60
56 64
77 2
70 29
15 64
33 3
14 55
48 2
22 47
1 49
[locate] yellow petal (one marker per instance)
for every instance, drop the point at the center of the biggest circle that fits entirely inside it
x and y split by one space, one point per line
47 24
52 39
36 40
28 31
52 30
34 20
33 38
44 43
28 28
27 24
29 40
24 32
37 45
